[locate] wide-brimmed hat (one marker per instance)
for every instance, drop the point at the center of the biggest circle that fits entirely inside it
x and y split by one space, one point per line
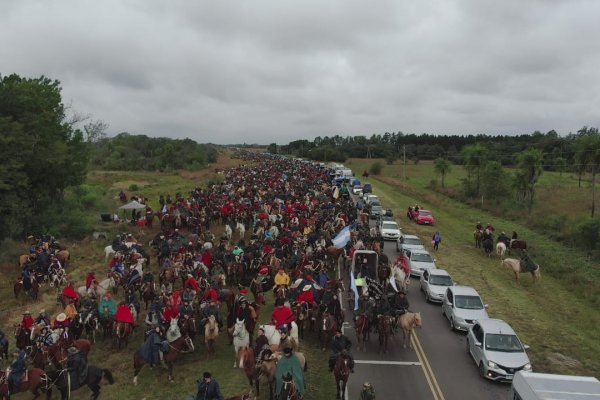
61 317
27 313
306 288
73 350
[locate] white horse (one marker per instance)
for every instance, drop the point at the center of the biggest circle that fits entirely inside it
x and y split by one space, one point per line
241 338
273 336
242 229
108 251
274 231
228 231
400 276
101 289
500 249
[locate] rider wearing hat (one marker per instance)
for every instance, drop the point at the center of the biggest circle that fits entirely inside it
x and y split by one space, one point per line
192 283
282 315
208 388
26 322
306 296
340 344
289 364
77 367
285 340
16 370
367 392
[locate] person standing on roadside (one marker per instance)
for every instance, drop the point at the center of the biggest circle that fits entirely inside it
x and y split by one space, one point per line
436 239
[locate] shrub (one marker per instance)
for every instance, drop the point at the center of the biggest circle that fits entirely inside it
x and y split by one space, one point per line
589 232
133 187
376 168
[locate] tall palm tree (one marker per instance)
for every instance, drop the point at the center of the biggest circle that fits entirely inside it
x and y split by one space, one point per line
530 169
442 167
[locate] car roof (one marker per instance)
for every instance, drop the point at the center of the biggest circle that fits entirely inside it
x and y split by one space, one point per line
463 290
388 222
419 251
493 325
438 271
411 237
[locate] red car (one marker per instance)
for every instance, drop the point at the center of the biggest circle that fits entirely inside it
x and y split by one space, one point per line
424 217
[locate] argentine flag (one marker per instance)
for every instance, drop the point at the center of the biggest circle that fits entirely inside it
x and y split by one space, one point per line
342 238
354 289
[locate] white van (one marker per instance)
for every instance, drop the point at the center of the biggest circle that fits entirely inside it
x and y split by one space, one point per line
537 386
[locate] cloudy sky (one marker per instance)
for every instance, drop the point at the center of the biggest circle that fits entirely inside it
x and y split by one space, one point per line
275 71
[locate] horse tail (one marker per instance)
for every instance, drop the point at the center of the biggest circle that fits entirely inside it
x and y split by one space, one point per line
108 376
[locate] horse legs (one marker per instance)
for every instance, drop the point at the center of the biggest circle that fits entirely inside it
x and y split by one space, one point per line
95 388
170 364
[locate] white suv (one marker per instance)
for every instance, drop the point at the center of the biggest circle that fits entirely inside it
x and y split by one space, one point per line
389 230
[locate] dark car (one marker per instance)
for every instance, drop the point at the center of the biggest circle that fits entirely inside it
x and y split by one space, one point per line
367 188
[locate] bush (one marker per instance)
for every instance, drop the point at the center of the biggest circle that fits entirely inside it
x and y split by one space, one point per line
133 187
376 168
589 232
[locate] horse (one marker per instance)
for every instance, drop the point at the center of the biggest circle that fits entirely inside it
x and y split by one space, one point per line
188 327
517 268
32 292
58 355
106 322
241 338
500 249
341 372
100 289
488 246
241 228
273 336
362 328
385 330
333 254
302 314
181 345
36 380
400 276
289 391
121 333
108 252
328 328
62 381
478 235
149 293
228 232
23 338
408 321
518 244
91 325
63 256
211 333
245 360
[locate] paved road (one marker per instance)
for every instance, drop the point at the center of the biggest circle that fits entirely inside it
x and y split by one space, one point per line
437 367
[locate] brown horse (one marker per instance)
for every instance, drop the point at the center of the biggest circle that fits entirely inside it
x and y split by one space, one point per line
301 310
247 363
121 333
328 328
36 379
361 326
235 272
341 372
188 327
478 236
333 255
23 337
384 327
179 346
32 292
63 256
57 354
149 293
39 357
408 321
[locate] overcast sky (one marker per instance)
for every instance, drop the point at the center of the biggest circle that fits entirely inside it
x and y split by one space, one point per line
276 71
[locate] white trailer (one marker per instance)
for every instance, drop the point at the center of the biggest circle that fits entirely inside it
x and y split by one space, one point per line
537 386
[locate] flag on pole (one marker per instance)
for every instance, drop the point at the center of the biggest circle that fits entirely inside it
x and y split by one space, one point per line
336 193
393 283
354 289
342 238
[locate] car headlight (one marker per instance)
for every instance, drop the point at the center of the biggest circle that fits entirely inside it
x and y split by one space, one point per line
527 367
492 365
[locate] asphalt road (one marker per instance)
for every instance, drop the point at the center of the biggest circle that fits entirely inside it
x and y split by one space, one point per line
437 367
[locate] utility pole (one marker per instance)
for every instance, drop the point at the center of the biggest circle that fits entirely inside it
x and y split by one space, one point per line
404 167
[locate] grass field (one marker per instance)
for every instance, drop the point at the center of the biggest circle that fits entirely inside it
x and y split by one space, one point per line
558 318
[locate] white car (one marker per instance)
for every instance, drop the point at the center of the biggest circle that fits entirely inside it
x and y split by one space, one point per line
463 306
496 350
389 230
434 283
369 197
357 190
409 242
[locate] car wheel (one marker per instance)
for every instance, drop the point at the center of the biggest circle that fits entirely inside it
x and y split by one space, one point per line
452 327
481 370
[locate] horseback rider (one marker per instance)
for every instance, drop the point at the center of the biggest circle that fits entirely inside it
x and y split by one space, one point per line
285 340
186 310
282 314
335 308
131 299
514 236
124 314
151 350
502 238
26 322
154 316
478 226
208 388
147 279
400 303
16 371
26 278
340 344
188 295
77 367
89 279
382 308
109 303
45 338
260 344
365 306
367 392
289 364
70 310
306 296
134 277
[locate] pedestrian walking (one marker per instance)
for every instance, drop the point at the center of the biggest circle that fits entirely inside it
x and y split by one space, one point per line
436 239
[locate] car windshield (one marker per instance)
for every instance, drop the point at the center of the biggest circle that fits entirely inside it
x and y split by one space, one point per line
424 213
389 226
414 242
440 280
422 257
468 302
376 208
505 343
375 203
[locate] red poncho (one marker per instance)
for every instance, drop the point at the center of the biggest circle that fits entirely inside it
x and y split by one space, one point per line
210 295
170 313
69 292
124 314
89 279
306 297
282 315
192 283
27 322
207 259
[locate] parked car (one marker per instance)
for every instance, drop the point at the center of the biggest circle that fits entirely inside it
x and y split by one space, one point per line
354 182
389 230
418 261
384 217
376 211
462 305
434 283
357 190
367 188
496 350
369 197
409 242
424 217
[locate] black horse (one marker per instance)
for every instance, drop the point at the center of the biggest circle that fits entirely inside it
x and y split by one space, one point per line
61 381
488 246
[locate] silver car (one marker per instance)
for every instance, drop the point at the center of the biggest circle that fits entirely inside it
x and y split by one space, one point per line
419 261
389 230
496 350
411 242
434 283
462 305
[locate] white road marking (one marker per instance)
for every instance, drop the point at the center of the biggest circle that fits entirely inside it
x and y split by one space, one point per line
383 362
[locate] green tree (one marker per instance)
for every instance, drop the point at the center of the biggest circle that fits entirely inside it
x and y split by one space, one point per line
272 148
474 159
588 154
42 153
529 163
494 181
442 167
